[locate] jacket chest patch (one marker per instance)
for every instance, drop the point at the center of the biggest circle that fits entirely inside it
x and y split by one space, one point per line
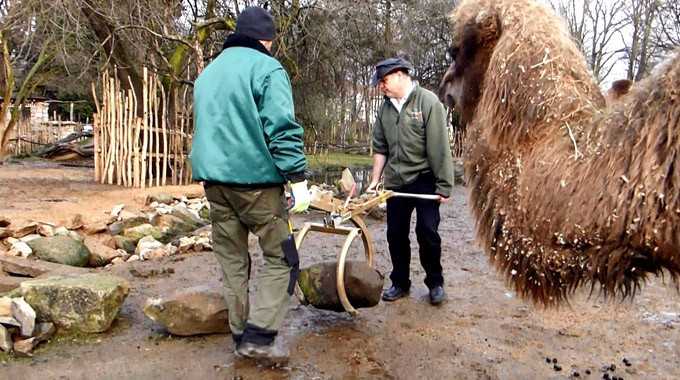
415 115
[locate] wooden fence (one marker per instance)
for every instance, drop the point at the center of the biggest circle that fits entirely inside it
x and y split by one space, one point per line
151 150
28 136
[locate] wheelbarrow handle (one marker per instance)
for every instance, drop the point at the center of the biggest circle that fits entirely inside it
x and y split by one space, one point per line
429 197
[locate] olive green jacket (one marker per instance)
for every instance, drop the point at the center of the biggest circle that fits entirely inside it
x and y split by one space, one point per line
414 141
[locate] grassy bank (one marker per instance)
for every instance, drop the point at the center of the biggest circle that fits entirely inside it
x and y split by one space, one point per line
338 160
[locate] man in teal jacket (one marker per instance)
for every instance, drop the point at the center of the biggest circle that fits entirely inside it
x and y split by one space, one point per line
246 146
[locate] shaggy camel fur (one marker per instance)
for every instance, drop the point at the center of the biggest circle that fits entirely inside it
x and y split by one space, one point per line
565 190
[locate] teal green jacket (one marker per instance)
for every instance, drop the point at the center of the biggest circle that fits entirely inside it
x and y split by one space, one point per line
245 131
414 141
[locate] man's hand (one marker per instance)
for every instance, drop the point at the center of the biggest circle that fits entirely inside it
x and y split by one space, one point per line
301 197
372 188
443 199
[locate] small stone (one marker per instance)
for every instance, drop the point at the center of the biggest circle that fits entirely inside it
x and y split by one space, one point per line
5 339
25 347
117 209
75 223
24 313
22 248
95 228
45 230
44 331
133 258
28 229
9 322
30 237
5 306
61 231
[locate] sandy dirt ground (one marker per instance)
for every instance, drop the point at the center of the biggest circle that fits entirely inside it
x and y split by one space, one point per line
482 332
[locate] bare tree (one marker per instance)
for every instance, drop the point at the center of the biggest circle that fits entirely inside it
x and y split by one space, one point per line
593 24
640 47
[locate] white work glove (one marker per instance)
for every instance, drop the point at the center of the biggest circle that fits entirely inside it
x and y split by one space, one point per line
301 196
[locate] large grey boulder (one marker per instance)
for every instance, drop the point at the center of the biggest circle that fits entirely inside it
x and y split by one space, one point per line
61 249
88 303
363 285
192 311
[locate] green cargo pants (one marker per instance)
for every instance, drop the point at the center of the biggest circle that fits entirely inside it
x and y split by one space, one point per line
234 212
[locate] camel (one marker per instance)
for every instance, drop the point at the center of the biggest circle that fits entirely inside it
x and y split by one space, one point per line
565 191
618 90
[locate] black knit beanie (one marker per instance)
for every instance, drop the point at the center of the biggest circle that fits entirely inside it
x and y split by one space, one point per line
257 23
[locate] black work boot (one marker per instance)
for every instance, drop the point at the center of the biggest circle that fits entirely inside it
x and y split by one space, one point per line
268 355
437 295
394 293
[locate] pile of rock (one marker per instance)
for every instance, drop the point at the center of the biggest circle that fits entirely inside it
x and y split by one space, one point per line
19 332
86 304
170 225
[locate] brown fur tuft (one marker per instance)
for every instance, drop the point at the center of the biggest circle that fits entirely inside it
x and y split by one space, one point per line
566 192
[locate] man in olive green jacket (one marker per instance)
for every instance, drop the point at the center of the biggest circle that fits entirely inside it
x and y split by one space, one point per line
246 146
411 146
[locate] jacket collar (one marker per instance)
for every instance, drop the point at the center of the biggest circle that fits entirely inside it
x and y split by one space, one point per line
240 40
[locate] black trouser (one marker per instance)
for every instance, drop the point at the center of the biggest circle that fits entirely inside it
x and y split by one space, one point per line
399 212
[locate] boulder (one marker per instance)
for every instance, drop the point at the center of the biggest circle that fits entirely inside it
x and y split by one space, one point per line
150 248
163 198
193 311
173 226
100 254
25 315
126 244
142 230
61 249
118 227
363 285
188 216
88 303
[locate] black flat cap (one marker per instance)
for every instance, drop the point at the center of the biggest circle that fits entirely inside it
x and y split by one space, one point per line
387 66
257 23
